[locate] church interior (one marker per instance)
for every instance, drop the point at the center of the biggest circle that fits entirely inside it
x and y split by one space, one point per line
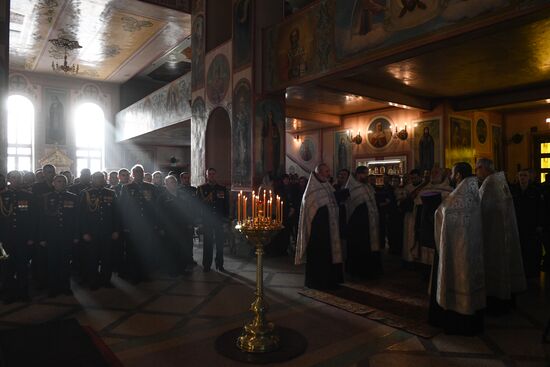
192 149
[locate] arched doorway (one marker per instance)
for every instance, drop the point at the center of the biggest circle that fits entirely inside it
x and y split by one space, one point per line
218 145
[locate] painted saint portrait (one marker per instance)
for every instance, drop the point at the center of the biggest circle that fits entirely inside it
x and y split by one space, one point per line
307 150
270 138
342 151
242 32
380 133
56 110
481 131
197 58
427 144
217 79
241 135
296 56
461 133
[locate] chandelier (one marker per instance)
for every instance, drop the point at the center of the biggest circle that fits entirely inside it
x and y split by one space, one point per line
66 45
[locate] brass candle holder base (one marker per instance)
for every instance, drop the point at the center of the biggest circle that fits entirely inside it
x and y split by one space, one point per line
259 335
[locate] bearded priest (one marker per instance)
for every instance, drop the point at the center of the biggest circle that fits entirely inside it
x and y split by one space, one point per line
458 280
363 245
504 275
318 243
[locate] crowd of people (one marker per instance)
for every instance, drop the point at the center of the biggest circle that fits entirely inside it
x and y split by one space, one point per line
476 238
54 227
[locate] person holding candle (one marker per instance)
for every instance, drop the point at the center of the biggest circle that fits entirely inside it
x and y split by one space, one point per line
318 244
215 211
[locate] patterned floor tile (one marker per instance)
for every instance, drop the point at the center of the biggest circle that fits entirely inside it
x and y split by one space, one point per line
174 304
97 319
193 288
409 345
458 344
402 360
145 324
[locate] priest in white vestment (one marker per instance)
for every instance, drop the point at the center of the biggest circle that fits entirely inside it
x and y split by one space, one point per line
362 219
504 275
458 281
318 242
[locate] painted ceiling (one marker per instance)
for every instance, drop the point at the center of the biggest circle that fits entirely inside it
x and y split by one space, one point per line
119 38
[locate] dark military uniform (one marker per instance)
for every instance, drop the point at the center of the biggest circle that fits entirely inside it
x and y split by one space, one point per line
171 222
118 245
59 229
17 227
188 195
79 187
39 263
215 210
99 219
137 201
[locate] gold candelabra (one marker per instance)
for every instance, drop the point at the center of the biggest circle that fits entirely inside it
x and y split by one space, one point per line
259 335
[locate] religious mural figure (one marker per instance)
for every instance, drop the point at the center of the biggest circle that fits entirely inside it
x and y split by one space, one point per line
306 150
197 59
271 143
481 131
362 16
426 151
241 135
380 132
173 99
217 79
296 56
56 122
343 155
242 34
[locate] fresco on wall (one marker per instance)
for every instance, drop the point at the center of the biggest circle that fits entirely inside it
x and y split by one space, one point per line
197 58
55 111
380 133
427 144
269 141
241 136
217 80
313 41
306 151
342 151
198 129
481 131
498 153
164 107
460 147
242 34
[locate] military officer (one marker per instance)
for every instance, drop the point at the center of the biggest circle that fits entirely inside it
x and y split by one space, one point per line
84 182
39 265
188 195
119 246
17 234
215 211
171 220
138 201
58 232
99 227
123 179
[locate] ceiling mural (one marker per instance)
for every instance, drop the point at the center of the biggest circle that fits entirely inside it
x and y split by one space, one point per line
119 38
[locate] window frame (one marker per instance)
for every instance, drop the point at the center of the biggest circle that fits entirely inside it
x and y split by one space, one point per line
87 153
16 145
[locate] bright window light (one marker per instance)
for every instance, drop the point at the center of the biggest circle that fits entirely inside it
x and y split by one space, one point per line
90 136
20 133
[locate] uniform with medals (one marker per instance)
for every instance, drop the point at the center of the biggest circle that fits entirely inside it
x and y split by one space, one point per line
39 264
215 211
59 230
17 228
137 201
99 220
171 225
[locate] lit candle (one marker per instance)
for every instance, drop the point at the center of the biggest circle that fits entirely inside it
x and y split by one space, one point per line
282 211
239 207
244 209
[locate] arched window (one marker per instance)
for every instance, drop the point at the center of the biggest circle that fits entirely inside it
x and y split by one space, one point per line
89 128
20 133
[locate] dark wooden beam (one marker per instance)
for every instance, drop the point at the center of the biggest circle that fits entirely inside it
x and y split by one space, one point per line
358 88
501 98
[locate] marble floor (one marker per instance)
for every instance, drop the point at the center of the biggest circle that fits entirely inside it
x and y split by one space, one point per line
174 322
